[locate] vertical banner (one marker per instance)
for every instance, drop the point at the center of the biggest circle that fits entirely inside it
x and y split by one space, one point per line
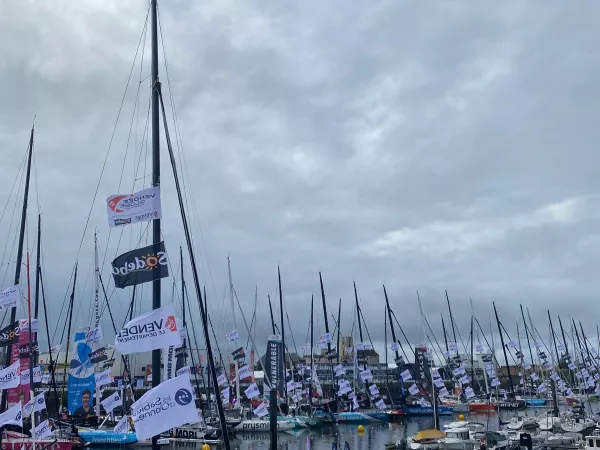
81 380
274 363
20 392
169 363
422 368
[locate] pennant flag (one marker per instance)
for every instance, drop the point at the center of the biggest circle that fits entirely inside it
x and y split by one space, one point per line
238 354
232 335
464 379
103 378
339 371
414 390
438 383
325 338
122 426
244 372
39 402
252 391
261 410
111 402
153 330
140 266
168 405
373 390
380 404
12 416
10 377
42 430
366 375
9 335
222 380
406 375
140 206
98 356
9 297
542 388
183 370
469 393
94 335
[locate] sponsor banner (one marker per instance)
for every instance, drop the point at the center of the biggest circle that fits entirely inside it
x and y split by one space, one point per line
169 362
10 334
252 391
222 380
42 430
238 354
16 394
261 410
422 366
24 325
232 335
153 330
39 402
325 338
414 390
12 416
244 372
108 363
25 377
140 266
9 297
168 405
122 426
111 402
99 355
103 378
80 382
27 350
140 206
274 364
366 375
94 335
183 370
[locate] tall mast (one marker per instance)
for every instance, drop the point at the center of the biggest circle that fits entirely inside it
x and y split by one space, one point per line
552 383
360 333
452 322
38 274
96 282
397 358
235 362
562 331
156 303
271 311
526 335
71 301
445 335
284 394
334 400
13 311
339 326
312 337
184 343
512 388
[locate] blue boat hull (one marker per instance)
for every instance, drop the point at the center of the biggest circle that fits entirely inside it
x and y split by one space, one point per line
536 401
359 417
107 437
427 411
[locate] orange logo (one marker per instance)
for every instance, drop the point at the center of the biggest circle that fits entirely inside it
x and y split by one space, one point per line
114 202
171 325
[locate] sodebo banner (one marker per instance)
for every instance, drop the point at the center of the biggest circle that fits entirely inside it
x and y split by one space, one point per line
150 331
168 405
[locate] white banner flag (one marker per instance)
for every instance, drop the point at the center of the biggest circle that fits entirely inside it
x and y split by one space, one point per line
168 405
355 404
55 348
469 393
414 390
373 390
94 335
380 404
325 338
222 380
103 378
122 426
184 369
24 325
28 408
339 371
37 376
132 208
244 372
111 402
406 375
261 410
395 347
438 383
153 330
42 430
12 416
9 297
39 402
252 391
366 375
443 392
232 335
46 379
9 377
225 393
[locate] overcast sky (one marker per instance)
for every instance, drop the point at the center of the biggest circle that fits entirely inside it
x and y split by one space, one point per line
426 145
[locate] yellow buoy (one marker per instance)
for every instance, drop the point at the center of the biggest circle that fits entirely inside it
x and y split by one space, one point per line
360 429
206 447
461 417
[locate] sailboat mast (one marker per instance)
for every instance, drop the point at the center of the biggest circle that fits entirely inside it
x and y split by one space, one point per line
38 272
334 400
272 318
235 362
339 325
283 362
155 120
444 330
31 388
13 311
510 382
452 322
312 337
360 333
